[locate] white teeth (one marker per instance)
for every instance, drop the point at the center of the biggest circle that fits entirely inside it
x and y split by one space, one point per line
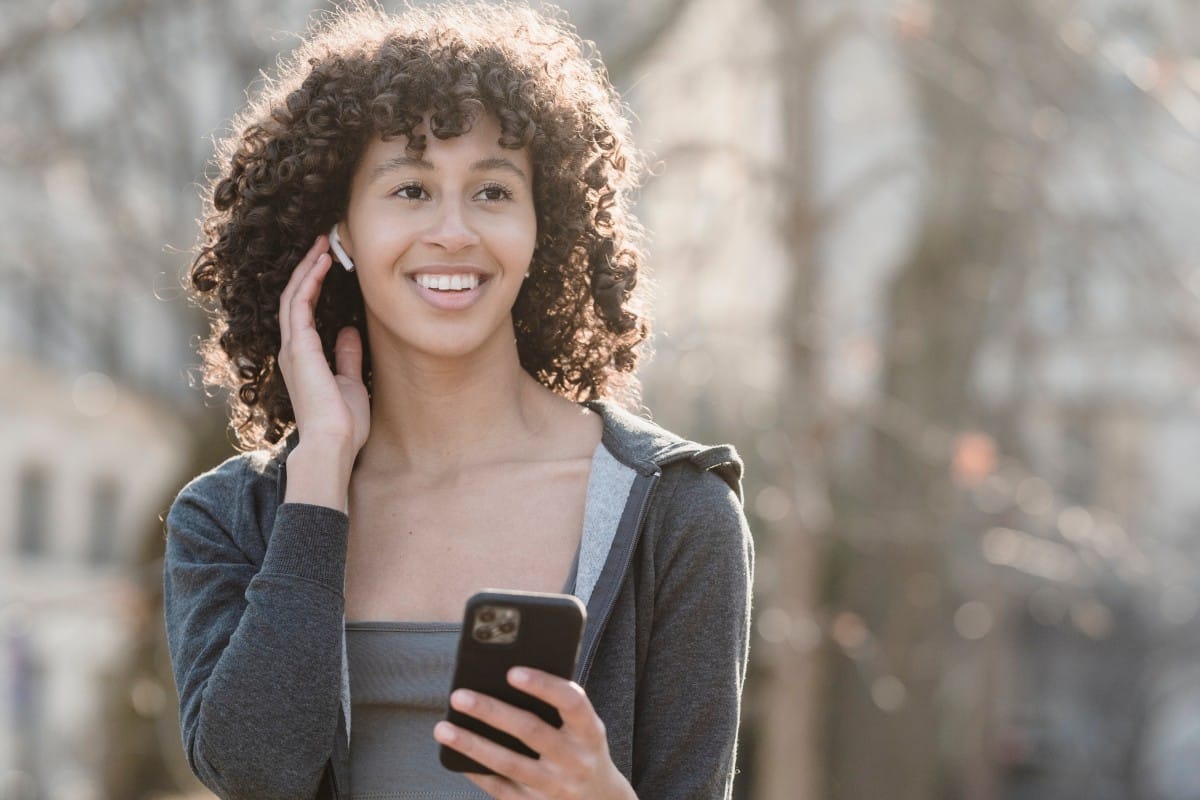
449 283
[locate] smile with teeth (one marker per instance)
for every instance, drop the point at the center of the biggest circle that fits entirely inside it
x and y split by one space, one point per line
448 283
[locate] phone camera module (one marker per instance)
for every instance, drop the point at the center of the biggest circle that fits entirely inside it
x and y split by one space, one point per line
496 625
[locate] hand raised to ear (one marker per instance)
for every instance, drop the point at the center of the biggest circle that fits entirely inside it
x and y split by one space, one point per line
332 408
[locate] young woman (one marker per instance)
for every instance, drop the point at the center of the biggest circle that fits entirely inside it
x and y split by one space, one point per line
423 277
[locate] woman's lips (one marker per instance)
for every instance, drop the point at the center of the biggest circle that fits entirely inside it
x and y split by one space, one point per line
449 299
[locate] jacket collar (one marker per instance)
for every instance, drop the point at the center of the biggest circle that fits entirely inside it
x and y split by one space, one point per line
647 447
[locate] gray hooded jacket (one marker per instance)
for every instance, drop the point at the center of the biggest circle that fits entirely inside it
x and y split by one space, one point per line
254 616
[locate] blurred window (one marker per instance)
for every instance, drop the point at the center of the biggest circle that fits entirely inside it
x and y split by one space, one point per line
33 497
105 497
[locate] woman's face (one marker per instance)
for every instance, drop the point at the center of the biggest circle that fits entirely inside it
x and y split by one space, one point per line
441 243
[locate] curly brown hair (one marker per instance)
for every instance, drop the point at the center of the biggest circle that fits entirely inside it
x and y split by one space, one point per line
284 177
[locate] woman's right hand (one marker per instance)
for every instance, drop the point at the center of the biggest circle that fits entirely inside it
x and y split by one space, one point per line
330 409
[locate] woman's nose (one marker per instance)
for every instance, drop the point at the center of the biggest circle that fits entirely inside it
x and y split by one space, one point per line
450 227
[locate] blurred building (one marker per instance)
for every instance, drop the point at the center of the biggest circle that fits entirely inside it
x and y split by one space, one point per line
95 413
85 464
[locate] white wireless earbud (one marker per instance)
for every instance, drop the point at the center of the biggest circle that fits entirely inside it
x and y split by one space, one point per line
335 242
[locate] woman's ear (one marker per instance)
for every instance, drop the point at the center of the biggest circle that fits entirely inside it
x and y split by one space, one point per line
335 242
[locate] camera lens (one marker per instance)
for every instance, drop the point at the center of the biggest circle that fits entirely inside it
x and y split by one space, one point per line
507 627
487 615
483 634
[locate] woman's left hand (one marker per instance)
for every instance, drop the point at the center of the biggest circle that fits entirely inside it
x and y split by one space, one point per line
574 762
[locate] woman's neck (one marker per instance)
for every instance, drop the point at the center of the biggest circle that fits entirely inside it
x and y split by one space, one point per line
434 415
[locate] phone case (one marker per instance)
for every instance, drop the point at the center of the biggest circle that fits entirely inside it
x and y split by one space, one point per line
547 637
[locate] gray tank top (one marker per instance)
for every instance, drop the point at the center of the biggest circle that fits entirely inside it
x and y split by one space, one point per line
400 674
399 681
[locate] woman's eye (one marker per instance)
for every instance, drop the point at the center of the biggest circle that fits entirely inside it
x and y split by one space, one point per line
495 192
413 191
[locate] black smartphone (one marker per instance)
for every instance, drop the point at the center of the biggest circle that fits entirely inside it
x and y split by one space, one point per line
502 630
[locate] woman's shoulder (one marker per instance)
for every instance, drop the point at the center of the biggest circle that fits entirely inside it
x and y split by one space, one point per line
234 472
697 517
649 448
243 479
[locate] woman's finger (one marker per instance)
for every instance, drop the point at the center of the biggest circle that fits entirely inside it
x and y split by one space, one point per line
505 762
348 353
298 273
303 302
567 696
524 726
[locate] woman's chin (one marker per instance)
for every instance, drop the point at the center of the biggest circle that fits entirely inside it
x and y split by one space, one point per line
456 347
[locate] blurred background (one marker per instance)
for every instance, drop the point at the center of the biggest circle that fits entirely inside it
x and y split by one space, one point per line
931 265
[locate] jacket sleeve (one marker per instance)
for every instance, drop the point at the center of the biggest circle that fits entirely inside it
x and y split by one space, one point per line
689 695
255 639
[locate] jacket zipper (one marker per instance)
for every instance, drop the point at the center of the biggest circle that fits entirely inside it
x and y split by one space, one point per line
590 656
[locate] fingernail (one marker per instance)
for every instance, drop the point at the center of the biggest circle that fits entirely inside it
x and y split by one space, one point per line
519 676
463 699
443 732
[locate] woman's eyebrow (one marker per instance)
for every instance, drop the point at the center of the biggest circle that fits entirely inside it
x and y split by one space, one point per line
399 162
497 162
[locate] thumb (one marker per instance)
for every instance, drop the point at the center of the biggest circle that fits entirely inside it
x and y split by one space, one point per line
348 353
